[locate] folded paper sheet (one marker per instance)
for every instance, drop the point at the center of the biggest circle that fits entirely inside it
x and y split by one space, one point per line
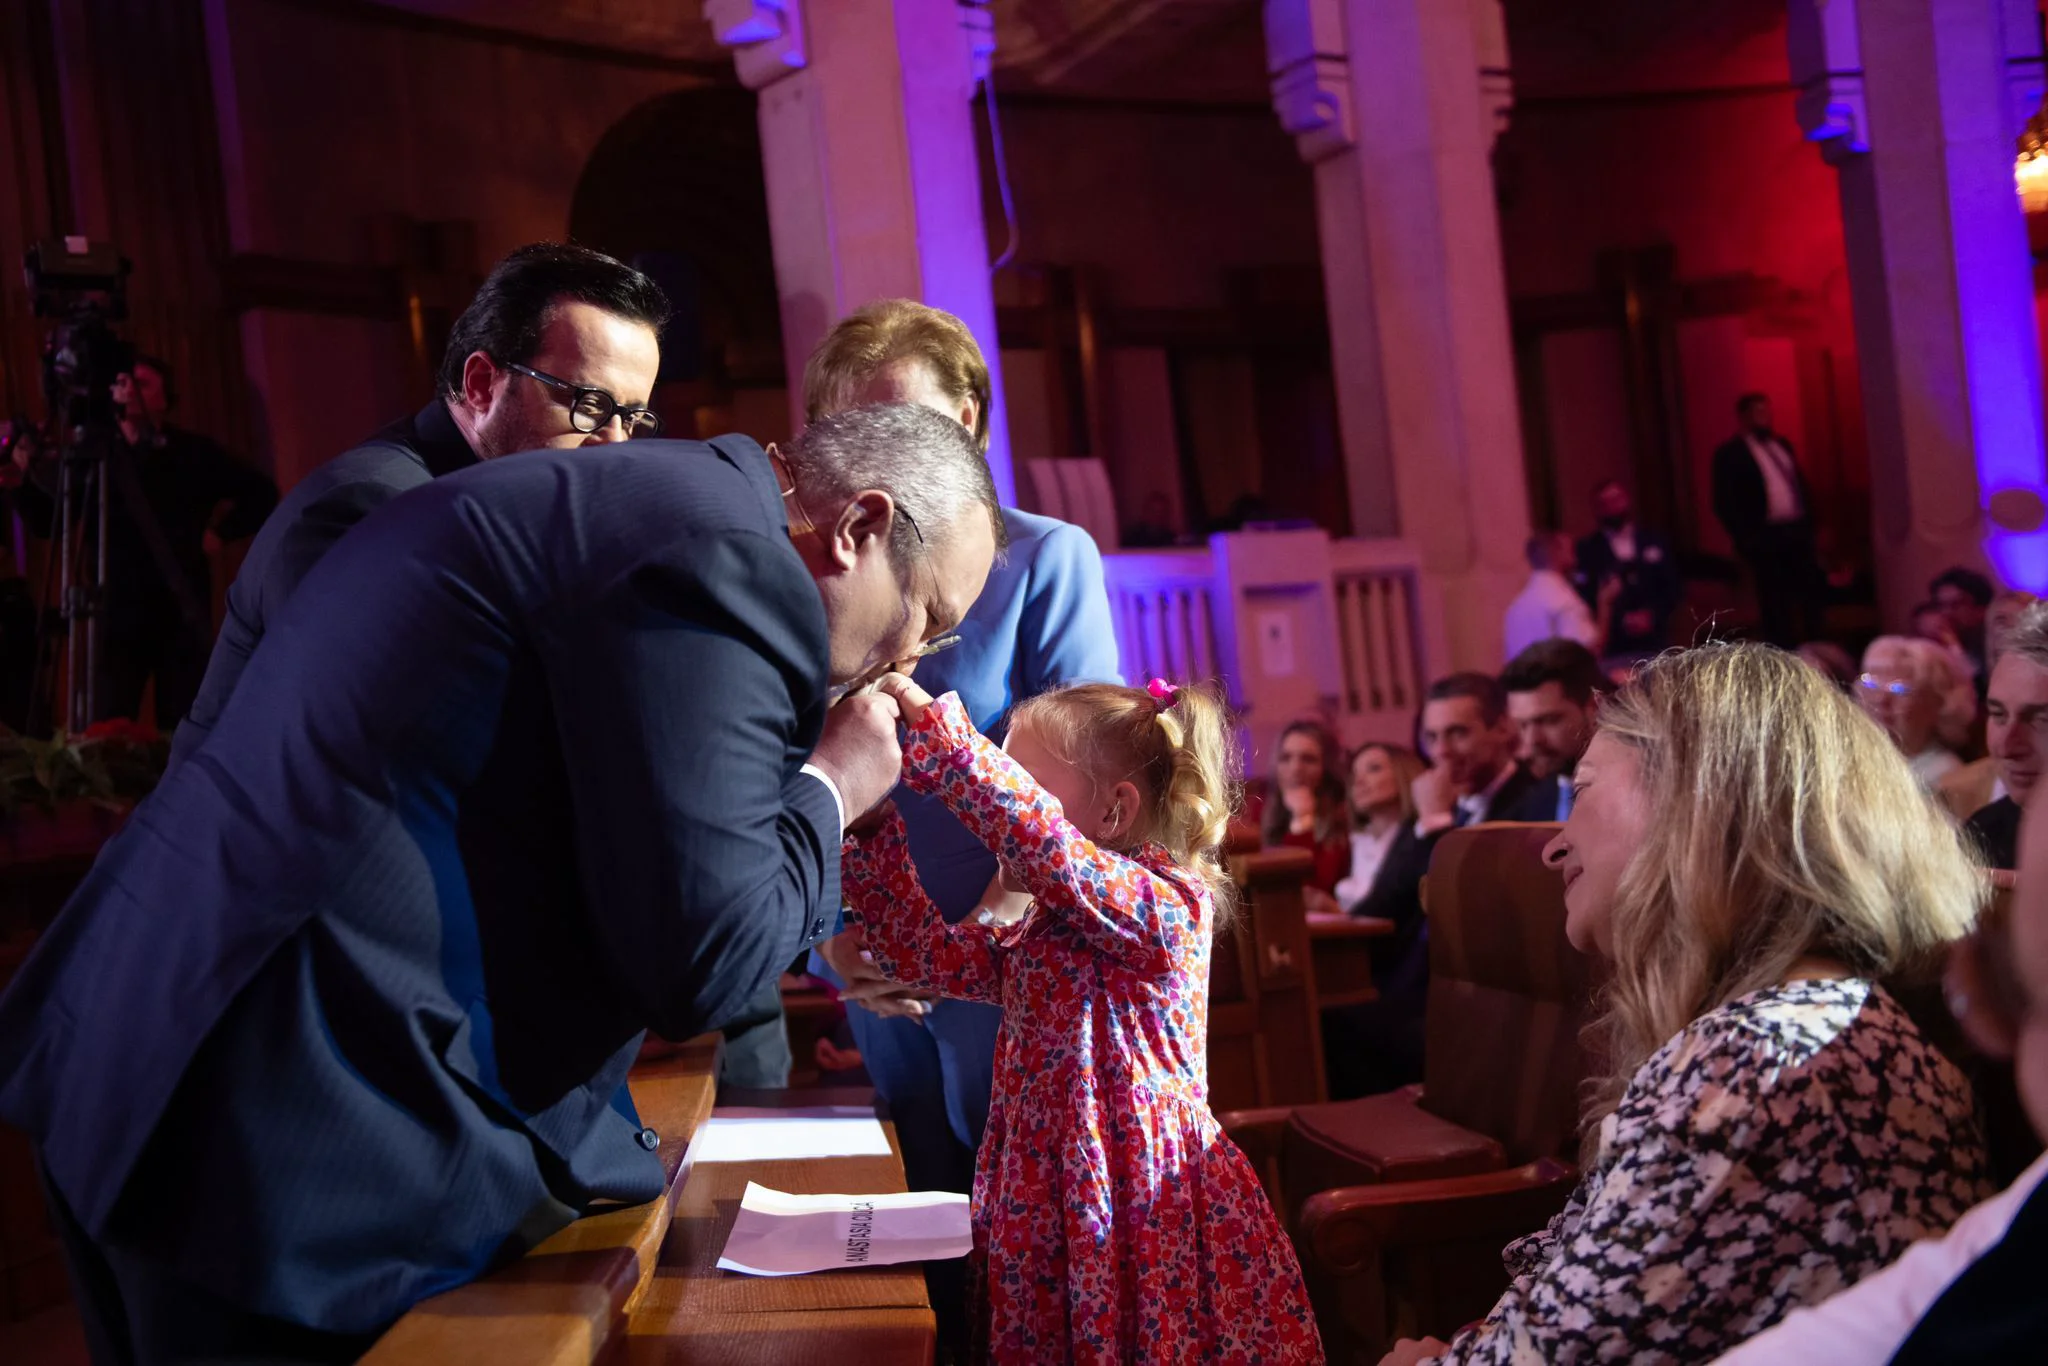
778 1234
737 1133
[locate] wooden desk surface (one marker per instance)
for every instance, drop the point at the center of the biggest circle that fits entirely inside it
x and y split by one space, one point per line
1325 925
692 1312
562 1303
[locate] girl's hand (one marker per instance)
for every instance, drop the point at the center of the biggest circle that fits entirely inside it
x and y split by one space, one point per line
911 700
1301 808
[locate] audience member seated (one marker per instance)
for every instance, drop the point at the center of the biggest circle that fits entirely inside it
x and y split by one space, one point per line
1833 662
1553 687
1973 1297
1305 809
1999 620
1963 597
1473 777
1753 860
2016 730
1642 561
1549 606
1381 803
1915 690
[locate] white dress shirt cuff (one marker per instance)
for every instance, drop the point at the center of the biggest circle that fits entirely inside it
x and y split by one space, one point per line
838 802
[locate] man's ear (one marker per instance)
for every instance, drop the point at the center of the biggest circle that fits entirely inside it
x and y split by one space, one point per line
479 382
867 519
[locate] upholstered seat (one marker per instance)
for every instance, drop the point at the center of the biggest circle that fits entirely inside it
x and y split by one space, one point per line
1485 1146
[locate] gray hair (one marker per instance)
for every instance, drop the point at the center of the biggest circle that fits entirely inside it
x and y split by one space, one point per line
2029 635
923 459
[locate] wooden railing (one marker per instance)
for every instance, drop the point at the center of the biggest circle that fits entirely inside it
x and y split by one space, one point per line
1291 622
568 1301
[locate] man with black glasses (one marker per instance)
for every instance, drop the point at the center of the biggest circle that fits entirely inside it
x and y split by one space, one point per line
559 348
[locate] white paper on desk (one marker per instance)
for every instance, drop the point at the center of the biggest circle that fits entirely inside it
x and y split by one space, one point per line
740 1133
778 1234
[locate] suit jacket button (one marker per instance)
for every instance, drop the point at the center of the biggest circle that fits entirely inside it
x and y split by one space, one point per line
648 1139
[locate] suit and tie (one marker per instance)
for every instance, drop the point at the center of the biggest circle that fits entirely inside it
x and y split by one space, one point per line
1378 1046
342 1017
1648 569
1761 498
313 516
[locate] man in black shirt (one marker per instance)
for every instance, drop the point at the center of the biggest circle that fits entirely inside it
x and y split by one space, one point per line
2016 732
173 496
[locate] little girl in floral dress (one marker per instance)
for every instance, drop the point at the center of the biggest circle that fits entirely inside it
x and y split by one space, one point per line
1113 1221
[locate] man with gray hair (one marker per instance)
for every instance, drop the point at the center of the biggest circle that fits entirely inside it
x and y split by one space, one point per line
2016 734
539 756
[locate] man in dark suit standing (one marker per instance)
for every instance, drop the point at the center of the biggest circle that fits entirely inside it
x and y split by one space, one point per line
536 758
1642 560
559 349
1473 777
1761 497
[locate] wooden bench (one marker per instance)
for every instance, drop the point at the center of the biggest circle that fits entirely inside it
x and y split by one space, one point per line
567 1301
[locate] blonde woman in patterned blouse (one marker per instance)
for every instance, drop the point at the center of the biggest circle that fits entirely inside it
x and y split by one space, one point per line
1754 857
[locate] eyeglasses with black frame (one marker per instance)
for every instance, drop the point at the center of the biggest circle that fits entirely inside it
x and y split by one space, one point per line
591 410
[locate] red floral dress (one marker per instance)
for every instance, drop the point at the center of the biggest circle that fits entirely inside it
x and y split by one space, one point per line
1113 1221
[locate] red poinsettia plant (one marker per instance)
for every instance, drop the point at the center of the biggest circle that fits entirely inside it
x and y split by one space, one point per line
112 764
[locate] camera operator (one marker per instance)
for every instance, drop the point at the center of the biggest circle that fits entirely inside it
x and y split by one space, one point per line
24 511
173 498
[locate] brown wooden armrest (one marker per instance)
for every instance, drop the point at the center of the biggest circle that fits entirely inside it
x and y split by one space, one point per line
1345 1230
1257 1134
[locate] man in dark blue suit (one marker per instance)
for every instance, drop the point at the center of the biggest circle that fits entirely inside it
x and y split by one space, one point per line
559 349
536 758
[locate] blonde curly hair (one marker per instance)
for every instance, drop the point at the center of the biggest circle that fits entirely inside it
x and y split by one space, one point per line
1783 824
1180 753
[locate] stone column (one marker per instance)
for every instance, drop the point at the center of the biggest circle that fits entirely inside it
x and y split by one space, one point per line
1396 104
1917 104
874 180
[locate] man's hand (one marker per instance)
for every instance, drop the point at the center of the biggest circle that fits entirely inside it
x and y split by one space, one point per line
1436 796
1301 808
1610 589
858 751
865 985
911 700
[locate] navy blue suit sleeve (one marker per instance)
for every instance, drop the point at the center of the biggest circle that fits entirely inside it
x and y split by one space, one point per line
709 861
1064 634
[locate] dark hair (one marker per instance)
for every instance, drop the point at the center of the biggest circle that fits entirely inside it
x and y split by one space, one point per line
1968 580
1332 811
142 360
1566 663
510 310
1481 688
1743 404
1541 549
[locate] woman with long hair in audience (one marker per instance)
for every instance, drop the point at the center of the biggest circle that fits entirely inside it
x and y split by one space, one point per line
1755 860
1381 803
1921 694
1305 807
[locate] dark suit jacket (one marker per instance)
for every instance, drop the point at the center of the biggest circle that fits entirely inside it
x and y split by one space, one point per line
1740 499
342 1017
1401 961
1649 582
1537 801
1996 828
305 526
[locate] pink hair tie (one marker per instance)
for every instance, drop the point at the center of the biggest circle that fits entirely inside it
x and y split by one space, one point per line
1162 692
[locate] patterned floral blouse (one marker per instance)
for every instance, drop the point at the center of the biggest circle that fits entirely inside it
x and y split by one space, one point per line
1113 1221
1778 1149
